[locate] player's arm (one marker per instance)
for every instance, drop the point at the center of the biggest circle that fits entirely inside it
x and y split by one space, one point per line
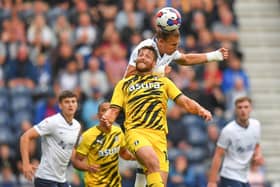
258 156
215 167
130 70
27 167
193 107
109 117
199 58
79 162
126 155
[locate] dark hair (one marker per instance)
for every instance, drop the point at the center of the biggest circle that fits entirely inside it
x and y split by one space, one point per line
166 34
66 94
100 105
241 99
152 49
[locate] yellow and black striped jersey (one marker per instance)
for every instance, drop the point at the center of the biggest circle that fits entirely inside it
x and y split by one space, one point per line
102 149
144 100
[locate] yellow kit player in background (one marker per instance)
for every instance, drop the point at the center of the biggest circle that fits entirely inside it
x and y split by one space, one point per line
98 154
143 97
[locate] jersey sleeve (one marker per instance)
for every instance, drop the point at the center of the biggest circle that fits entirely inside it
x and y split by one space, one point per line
83 145
172 91
45 127
224 139
118 95
134 54
177 55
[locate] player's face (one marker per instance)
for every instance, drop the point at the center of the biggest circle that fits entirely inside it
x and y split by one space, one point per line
103 108
243 110
145 60
169 45
69 106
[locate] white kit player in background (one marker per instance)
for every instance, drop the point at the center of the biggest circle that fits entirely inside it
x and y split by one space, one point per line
59 134
238 146
166 43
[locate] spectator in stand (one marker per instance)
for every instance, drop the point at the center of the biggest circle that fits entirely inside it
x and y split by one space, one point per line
90 107
39 34
177 131
60 57
233 71
181 174
85 35
46 107
69 78
93 77
225 30
21 71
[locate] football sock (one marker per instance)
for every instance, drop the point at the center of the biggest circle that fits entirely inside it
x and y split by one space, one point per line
154 180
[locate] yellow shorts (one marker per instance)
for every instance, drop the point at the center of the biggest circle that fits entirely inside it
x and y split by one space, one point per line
137 138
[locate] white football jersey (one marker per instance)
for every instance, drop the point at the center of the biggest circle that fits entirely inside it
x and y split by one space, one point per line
58 139
239 144
162 61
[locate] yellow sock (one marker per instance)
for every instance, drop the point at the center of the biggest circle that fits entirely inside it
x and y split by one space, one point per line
154 180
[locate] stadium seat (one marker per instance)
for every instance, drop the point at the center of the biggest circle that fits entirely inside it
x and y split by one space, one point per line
19 117
4 119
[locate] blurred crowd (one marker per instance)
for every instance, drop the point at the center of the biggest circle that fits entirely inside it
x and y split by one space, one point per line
84 46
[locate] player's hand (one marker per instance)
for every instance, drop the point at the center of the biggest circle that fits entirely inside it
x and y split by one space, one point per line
212 184
93 168
29 171
205 114
257 160
224 52
105 123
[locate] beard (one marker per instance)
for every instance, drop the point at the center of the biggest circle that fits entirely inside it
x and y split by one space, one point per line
142 68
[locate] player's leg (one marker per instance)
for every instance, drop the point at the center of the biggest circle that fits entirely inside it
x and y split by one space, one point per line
147 156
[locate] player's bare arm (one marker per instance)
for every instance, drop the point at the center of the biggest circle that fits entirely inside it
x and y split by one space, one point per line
193 107
126 155
216 164
258 157
130 70
79 162
27 168
109 117
199 58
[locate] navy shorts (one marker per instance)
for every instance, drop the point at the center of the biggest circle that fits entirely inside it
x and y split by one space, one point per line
232 183
38 182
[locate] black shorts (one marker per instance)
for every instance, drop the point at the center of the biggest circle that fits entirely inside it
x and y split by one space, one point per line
38 182
225 182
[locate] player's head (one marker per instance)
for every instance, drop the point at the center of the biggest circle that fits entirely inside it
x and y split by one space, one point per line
243 108
146 59
102 108
167 41
68 102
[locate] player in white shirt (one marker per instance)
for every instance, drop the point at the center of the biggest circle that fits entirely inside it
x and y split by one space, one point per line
59 134
238 146
166 45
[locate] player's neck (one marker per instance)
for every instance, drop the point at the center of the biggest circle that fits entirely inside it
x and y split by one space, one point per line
102 129
144 73
68 118
243 123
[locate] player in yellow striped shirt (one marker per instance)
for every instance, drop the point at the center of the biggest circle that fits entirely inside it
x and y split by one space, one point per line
98 154
143 97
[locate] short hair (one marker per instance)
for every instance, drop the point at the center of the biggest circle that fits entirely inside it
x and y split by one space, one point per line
242 99
150 48
166 34
102 103
66 94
